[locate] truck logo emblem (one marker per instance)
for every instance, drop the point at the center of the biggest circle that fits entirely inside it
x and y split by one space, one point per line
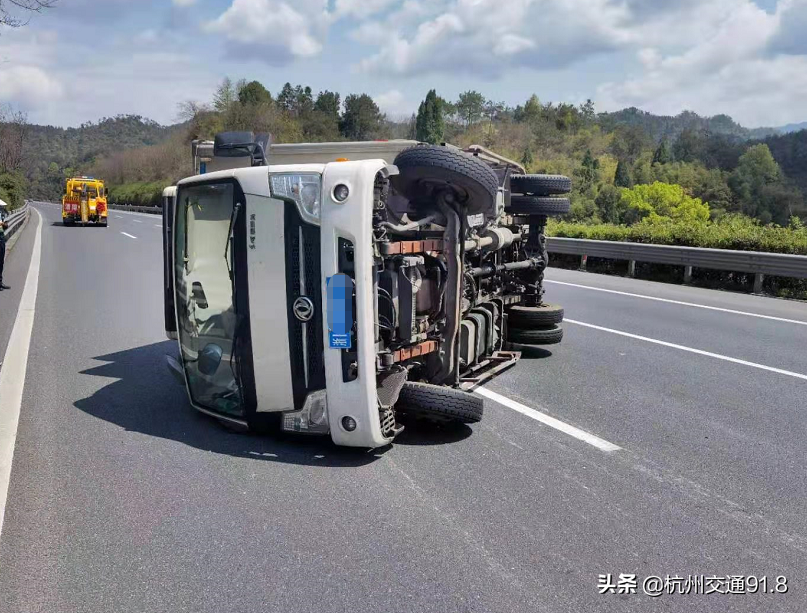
303 308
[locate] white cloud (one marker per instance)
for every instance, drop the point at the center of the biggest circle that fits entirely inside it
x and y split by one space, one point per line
360 8
732 68
28 86
394 104
493 36
273 30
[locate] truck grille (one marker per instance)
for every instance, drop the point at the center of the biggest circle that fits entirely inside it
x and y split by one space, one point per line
303 280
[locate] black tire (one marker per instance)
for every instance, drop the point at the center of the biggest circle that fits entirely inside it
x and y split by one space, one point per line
425 169
536 336
439 403
527 317
538 205
540 185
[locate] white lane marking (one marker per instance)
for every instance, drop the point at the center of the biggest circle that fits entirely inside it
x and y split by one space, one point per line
158 225
127 234
136 221
708 354
119 216
545 419
15 364
689 304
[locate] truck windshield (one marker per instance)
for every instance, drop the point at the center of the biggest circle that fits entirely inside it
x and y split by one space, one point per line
206 317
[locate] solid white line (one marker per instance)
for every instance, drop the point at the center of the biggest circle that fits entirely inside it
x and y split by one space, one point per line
136 221
689 304
158 225
545 419
15 364
708 354
119 216
127 234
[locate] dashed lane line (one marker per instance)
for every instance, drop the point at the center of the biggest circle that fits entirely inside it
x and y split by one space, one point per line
679 302
708 354
562 426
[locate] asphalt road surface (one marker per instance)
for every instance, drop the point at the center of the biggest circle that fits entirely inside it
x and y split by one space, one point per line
661 438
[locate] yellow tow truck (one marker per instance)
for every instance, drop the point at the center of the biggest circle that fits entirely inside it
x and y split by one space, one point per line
84 202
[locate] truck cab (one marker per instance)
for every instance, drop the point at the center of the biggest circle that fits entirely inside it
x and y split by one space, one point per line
332 288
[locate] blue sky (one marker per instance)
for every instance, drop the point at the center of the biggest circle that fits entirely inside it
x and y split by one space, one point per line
86 59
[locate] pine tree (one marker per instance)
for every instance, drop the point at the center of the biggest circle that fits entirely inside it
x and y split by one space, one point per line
286 99
430 125
663 155
622 177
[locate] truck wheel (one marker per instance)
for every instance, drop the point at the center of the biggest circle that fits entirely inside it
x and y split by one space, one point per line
526 317
439 403
538 205
540 185
426 169
537 336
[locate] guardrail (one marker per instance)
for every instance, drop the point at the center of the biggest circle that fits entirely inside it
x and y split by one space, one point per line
154 210
757 262
16 220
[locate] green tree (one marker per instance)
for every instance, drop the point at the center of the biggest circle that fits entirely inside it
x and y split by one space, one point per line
589 172
254 93
13 186
622 177
470 106
527 159
663 155
361 118
531 112
303 100
587 112
225 95
608 203
629 142
430 124
287 99
328 103
755 173
660 200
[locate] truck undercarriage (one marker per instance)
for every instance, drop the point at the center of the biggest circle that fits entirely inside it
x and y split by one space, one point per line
450 262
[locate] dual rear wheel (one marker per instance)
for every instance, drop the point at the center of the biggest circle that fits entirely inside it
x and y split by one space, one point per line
538 325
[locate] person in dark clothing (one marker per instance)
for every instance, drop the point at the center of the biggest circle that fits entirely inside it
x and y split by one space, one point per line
3 228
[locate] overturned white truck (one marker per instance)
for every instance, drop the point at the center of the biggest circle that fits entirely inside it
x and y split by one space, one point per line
333 287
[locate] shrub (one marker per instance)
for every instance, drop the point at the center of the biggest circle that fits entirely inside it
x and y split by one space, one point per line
137 194
12 189
728 232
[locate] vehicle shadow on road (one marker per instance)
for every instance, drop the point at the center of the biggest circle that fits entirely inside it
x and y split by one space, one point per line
420 432
529 352
143 397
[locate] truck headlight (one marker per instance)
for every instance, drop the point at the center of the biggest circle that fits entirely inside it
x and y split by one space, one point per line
304 188
312 418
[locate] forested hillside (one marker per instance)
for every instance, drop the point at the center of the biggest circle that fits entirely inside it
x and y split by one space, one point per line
52 153
714 160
